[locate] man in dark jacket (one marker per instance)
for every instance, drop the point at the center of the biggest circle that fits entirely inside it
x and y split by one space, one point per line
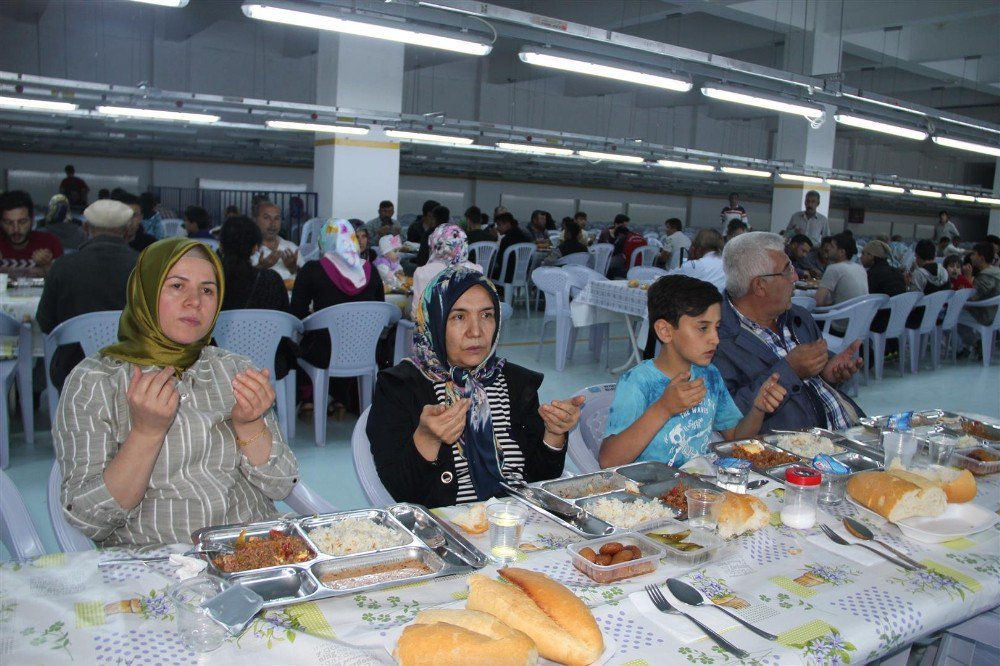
882 278
762 333
90 280
510 234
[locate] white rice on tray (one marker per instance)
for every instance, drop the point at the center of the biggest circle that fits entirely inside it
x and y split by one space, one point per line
807 445
355 535
629 514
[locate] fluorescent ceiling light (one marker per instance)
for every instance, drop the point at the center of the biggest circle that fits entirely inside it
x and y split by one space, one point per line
926 193
740 171
316 127
25 104
960 197
156 114
801 178
967 145
533 149
763 102
690 166
430 138
887 105
847 184
611 157
988 200
569 64
892 189
165 3
879 126
279 13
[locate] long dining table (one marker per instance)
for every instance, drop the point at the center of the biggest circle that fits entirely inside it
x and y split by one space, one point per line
825 603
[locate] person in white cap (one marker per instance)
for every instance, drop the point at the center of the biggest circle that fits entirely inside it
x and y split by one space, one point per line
91 279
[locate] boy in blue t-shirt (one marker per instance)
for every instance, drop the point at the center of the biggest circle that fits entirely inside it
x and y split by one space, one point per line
666 408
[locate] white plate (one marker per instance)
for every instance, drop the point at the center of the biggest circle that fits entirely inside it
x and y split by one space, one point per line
958 520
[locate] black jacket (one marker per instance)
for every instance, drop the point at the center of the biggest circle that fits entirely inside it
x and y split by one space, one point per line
512 237
401 393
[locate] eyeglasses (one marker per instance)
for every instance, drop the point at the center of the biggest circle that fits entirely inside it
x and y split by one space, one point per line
788 273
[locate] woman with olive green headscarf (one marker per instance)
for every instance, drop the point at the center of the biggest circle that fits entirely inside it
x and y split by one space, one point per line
161 434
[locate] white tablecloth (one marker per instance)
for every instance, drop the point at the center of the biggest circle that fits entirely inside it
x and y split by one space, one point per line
22 304
603 301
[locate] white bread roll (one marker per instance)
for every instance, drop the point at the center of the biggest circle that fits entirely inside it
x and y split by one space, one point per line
474 520
958 485
737 514
561 625
897 495
462 637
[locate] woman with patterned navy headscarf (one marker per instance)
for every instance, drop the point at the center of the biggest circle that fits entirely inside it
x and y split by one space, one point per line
454 421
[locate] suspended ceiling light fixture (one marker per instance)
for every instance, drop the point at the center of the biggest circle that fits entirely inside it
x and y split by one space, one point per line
740 171
316 127
762 101
988 200
157 114
954 196
423 137
891 189
44 105
846 184
610 157
292 14
533 149
689 166
177 4
879 126
801 178
887 105
983 128
568 63
981 148
929 194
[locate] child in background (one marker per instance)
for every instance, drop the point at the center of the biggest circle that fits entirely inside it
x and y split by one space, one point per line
953 264
666 408
389 268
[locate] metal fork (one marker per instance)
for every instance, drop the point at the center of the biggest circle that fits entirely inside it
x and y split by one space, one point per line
662 605
837 539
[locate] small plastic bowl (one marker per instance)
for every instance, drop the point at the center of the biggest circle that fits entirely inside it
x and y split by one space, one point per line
648 563
711 544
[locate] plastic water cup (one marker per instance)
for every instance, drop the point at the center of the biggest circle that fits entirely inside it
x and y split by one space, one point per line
832 488
506 520
700 503
939 450
898 448
198 631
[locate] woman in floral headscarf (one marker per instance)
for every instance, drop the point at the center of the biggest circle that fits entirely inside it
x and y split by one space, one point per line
448 247
339 276
59 222
453 422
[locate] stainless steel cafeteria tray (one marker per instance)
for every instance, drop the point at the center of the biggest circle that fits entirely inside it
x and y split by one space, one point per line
441 552
857 462
925 418
841 442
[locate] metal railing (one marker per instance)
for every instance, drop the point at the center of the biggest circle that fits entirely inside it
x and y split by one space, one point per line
296 207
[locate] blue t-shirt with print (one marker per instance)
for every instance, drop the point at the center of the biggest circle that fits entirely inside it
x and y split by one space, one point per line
687 434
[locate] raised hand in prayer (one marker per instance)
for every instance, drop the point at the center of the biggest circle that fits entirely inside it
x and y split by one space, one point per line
152 400
268 260
254 396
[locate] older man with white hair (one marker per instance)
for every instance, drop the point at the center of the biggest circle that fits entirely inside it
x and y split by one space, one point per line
762 333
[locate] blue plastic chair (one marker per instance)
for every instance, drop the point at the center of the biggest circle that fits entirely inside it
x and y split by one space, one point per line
25 348
68 537
93 331
364 465
354 332
17 532
256 335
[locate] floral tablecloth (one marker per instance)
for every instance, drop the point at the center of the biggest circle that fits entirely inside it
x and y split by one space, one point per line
823 607
602 301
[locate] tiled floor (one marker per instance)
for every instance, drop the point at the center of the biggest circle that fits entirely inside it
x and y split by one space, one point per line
329 470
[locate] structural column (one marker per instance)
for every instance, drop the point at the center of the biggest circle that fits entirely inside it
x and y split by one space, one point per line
994 225
352 174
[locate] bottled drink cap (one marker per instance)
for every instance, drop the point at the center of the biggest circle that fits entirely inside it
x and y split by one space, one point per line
802 476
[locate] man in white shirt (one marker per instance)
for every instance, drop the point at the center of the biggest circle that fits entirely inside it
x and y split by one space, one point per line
276 253
676 241
705 259
809 222
944 227
843 279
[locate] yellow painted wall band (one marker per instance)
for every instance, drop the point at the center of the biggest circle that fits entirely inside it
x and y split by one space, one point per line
358 143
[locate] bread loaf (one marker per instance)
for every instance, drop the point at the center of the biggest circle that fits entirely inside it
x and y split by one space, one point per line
897 495
958 485
460 638
561 625
473 521
736 514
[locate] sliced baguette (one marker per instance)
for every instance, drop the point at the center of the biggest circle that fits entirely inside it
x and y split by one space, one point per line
896 496
474 520
462 637
958 485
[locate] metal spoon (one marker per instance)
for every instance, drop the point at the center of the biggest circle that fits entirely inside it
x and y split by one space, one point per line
759 483
693 597
862 532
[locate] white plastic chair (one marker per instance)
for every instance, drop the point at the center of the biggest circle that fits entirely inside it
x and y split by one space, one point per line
859 316
256 334
309 251
948 328
807 302
305 501
92 331
354 332
309 230
575 259
555 284
364 465
173 228
899 307
68 537
927 332
646 254
585 439
7 368
211 242
602 256
17 532
484 253
986 332
520 254
25 347
645 273
600 334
